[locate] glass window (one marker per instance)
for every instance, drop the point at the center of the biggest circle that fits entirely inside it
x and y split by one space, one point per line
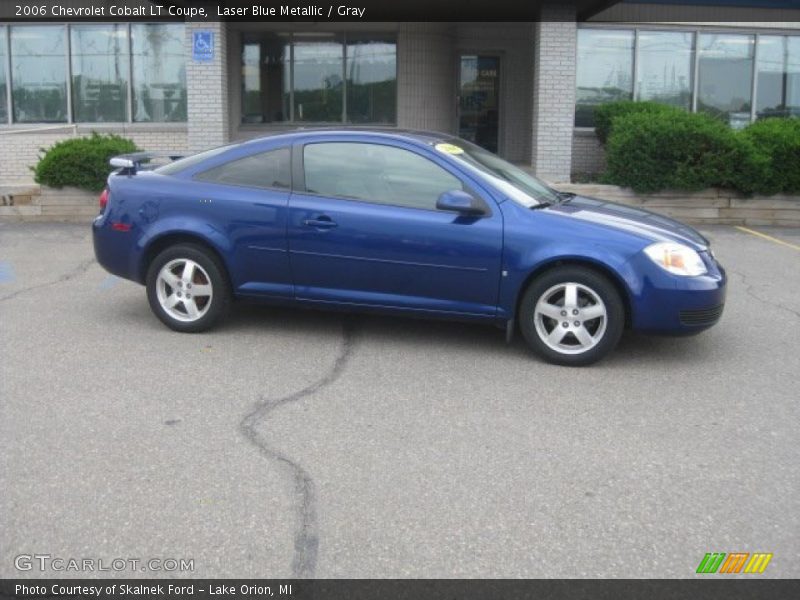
39 74
100 66
725 76
251 83
265 78
321 72
3 80
371 80
187 162
778 93
479 100
605 71
264 170
159 72
664 67
375 173
317 76
793 75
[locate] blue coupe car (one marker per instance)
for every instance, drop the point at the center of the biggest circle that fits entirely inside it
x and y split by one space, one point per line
401 222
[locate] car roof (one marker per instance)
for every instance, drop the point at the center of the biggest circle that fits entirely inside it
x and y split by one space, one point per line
420 136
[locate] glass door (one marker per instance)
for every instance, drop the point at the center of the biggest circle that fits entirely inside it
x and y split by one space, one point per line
479 106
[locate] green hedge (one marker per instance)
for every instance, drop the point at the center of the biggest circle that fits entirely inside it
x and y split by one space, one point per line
651 150
779 140
681 151
80 162
605 114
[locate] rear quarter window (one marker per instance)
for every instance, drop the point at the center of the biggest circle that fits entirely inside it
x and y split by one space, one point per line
271 170
190 161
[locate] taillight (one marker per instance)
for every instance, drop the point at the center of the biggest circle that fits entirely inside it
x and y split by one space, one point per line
104 199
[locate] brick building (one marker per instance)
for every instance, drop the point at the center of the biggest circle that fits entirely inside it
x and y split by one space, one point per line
522 89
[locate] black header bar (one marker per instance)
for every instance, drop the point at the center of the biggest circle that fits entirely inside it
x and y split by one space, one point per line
271 10
331 11
700 588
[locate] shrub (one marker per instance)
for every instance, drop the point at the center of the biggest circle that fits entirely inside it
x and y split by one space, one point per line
80 162
778 139
651 151
605 114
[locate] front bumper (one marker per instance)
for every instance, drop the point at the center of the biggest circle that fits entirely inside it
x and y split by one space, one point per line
671 304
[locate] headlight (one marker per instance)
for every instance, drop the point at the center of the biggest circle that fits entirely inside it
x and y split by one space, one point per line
676 258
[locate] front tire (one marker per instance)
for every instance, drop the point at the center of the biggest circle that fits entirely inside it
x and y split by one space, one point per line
572 316
187 288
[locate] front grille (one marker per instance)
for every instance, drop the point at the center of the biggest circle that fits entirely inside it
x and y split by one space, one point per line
702 316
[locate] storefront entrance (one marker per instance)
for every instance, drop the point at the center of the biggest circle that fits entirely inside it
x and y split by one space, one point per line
479 106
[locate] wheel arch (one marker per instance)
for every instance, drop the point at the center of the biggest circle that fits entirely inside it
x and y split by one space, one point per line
158 244
602 269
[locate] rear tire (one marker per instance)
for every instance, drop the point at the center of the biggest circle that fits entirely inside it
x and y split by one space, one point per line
572 316
187 288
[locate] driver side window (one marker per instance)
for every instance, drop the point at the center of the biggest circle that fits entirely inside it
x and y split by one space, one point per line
375 173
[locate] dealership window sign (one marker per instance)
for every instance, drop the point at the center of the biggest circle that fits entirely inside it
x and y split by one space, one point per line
202 46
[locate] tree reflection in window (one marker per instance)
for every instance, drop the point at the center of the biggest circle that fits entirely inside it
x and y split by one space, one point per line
159 72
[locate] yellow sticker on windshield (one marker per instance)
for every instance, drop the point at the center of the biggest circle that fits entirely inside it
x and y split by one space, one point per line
449 149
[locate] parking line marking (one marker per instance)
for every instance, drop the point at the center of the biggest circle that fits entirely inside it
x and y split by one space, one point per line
767 237
109 282
6 272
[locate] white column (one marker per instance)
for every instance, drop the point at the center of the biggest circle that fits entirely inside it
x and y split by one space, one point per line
554 92
207 90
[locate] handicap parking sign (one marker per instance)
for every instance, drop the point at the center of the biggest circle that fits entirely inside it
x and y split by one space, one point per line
202 46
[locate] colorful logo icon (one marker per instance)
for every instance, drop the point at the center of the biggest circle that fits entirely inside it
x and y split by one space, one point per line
714 562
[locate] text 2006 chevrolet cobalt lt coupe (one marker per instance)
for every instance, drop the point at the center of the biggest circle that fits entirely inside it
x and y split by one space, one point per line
404 222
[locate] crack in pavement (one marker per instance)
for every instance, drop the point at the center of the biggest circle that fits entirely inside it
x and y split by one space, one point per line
79 270
748 288
306 539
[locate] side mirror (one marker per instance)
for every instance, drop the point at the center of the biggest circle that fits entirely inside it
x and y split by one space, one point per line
463 203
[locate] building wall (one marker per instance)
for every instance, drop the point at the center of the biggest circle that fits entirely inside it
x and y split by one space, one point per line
207 95
427 90
588 156
426 76
19 151
427 65
554 92
538 66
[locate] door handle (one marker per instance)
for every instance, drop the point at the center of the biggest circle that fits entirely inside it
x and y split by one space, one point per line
321 222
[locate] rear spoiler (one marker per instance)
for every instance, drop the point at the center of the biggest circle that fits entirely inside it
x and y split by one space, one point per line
130 163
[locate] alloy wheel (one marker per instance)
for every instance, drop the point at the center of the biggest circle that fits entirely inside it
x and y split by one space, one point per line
570 318
184 290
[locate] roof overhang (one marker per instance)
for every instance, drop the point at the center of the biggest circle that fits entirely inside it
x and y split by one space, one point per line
586 9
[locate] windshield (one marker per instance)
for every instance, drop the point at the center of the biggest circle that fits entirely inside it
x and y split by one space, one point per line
518 185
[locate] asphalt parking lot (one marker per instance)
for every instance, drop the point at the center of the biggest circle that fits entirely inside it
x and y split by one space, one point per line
296 443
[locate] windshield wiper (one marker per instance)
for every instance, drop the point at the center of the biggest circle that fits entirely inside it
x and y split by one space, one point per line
562 197
565 196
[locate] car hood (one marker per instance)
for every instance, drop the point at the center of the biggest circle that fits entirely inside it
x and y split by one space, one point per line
638 221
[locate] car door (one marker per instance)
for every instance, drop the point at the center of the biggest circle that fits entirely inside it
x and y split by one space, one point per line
249 194
364 229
